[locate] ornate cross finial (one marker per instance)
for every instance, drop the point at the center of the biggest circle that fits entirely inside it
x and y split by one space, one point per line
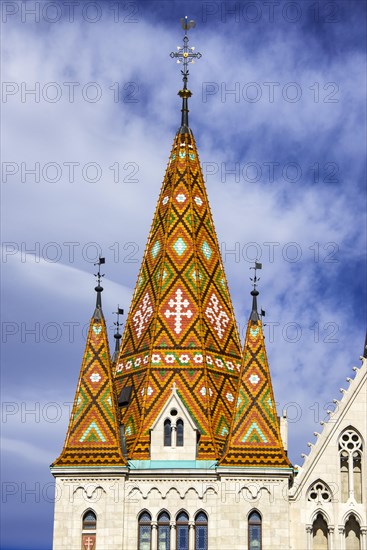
185 55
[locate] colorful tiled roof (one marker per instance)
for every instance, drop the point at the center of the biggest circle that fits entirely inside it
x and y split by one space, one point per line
254 438
181 327
93 434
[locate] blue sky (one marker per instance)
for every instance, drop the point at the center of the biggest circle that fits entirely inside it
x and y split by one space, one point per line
278 112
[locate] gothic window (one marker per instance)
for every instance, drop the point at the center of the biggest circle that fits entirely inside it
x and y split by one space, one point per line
145 531
352 534
182 531
319 493
319 533
89 527
254 531
350 451
167 433
344 475
163 531
89 521
180 433
201 531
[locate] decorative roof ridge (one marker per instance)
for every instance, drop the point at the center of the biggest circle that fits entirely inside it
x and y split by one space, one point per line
202 341
329 426
150 234
156 310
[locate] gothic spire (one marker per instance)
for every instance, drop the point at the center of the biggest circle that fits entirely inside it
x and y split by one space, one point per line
93 433
254 438
181 327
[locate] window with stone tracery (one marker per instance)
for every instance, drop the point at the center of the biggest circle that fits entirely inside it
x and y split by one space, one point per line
89 527
167 433
201 531
179 433
350 452
173 431
319 492
182 531
145 531
164 539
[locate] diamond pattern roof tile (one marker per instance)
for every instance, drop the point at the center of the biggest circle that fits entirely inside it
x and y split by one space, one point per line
93 433
186 320
254 438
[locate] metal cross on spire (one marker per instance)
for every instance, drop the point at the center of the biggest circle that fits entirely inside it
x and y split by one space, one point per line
185 55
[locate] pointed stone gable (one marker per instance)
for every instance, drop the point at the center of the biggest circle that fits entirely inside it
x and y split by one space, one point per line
93 434
181 327
255 436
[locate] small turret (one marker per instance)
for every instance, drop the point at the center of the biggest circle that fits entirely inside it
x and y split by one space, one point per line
93 433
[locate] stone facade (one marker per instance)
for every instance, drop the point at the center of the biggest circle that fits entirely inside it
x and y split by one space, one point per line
292 508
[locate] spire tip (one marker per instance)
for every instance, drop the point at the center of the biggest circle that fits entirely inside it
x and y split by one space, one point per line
254 316
99 288
185 55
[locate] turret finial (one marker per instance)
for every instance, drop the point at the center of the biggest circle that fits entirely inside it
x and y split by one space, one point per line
117 334
185 55
99 288
254 316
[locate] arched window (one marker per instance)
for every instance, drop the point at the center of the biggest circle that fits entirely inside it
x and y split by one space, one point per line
350 450
319 533
167 434
352 534
163 531
182 531
145 531
254 531
179 433
201 531
89 521
89 527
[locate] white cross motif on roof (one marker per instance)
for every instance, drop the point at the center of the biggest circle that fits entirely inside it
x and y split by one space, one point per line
179 306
